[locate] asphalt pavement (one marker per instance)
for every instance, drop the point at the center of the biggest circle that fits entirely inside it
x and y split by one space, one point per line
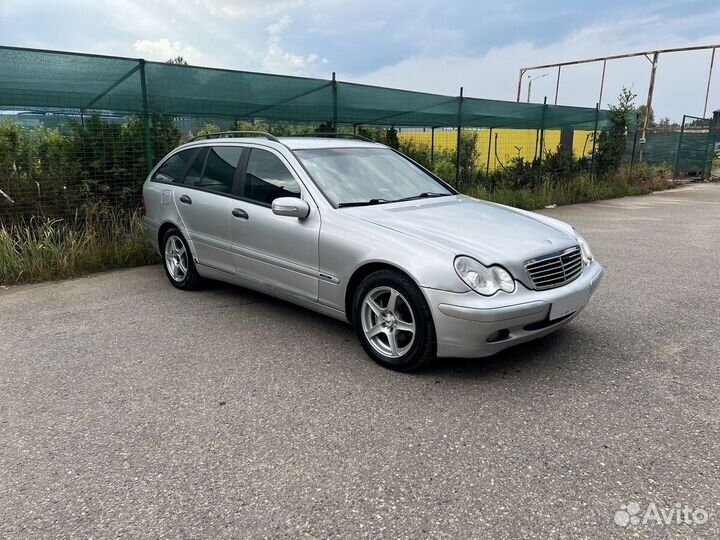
129 409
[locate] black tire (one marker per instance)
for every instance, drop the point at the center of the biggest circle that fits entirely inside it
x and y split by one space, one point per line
189 279
421 349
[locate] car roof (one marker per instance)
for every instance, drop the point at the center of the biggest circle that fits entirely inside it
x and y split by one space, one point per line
293 143
306 143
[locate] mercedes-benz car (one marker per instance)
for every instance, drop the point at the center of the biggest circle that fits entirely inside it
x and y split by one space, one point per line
360 232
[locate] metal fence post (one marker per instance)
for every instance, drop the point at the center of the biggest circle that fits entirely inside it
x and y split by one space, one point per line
542 129
432 146
594 146
708 143
679 147
459 135
487 172
146 118
335 102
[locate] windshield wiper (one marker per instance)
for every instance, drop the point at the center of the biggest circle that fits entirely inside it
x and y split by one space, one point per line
423 195
363 203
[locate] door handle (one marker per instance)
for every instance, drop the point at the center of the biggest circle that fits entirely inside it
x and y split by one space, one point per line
240 213
185 199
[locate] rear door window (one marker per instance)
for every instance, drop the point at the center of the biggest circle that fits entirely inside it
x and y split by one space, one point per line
194 174
174 168
220 167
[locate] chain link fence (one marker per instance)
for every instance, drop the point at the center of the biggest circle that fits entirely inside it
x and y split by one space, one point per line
77 128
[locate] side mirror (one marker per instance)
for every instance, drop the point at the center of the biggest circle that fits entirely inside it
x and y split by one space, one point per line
291 207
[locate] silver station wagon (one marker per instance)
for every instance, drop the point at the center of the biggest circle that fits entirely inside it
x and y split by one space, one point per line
359 232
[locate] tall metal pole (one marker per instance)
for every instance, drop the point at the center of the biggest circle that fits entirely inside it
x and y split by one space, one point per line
557 84
707 92
648 106
522 72
529 88
335 102
602 82
146 118
459 135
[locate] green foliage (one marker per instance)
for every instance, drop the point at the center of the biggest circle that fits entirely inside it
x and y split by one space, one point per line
207 129
48 173
444 162
381 135
641 110
177 60
637 180
612 143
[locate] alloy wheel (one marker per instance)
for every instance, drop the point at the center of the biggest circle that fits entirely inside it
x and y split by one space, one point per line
176 258
388 322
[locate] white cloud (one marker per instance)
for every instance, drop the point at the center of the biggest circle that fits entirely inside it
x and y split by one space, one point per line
248 8
163 49
280 60
680 86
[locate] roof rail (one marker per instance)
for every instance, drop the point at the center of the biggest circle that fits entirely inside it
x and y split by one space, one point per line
224 134
335 135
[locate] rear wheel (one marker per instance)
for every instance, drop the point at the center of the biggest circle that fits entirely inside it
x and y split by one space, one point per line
177 261
393 322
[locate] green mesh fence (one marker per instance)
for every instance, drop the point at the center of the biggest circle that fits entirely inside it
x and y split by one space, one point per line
688 149
78 127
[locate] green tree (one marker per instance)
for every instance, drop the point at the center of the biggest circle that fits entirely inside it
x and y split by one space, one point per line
611 143
177 60
641 111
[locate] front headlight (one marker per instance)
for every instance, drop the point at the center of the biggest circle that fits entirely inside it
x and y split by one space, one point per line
587 255
482 279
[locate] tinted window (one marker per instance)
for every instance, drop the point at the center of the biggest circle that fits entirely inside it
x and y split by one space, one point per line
194 174
173 169
267 178
220 166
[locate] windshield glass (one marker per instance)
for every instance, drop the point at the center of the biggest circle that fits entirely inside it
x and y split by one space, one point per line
367 175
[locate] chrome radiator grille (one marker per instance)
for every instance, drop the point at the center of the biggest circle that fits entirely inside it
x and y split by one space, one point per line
555 270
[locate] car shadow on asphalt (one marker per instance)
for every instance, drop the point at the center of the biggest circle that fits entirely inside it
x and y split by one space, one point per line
544 354
555 351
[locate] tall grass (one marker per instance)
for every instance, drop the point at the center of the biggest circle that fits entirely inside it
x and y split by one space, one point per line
96 239
640 180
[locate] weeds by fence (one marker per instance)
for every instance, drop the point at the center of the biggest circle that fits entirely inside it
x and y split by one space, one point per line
97 238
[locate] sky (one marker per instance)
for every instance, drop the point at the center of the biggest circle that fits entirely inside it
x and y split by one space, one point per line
423 45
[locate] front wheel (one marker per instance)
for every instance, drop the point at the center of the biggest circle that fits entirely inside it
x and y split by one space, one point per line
393 322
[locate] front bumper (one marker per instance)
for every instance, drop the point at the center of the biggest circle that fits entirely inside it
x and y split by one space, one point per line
469 325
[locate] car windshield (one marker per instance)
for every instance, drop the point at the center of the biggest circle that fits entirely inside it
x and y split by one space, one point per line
358 176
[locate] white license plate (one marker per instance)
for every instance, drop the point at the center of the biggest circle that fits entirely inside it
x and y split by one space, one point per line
569 304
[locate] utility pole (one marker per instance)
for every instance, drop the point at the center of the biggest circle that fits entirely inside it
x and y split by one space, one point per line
557 84
707 92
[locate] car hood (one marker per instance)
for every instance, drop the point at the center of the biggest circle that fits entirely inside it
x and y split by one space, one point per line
491 233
